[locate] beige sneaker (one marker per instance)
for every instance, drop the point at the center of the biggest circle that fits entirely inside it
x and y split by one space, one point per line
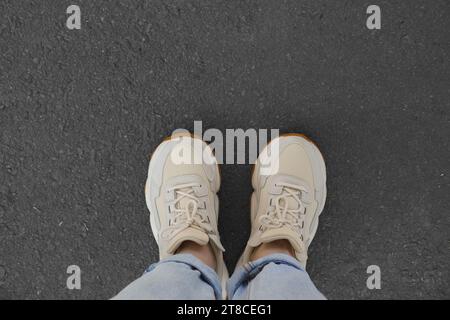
287 204
181 195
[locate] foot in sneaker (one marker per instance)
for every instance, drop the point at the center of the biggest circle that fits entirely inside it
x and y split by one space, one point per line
286 204
182 199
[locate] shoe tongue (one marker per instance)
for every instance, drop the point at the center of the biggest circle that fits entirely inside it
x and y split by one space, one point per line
283 233
185 202
288 202
188 234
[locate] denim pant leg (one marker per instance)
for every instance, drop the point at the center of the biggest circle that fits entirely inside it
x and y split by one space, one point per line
181 276
276 277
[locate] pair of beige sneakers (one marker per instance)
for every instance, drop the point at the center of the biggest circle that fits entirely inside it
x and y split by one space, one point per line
181 194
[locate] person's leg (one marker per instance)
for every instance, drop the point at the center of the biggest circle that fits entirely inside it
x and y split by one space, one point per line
276 276
285 207
182 276
182 198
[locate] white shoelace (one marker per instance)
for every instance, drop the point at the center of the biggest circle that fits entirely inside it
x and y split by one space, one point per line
187 216
281 215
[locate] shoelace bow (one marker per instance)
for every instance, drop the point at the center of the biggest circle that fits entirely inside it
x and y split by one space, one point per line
281 215
187 216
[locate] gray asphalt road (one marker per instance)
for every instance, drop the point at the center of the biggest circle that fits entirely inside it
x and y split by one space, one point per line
81 111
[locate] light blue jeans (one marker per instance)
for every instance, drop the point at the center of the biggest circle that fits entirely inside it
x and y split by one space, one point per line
183 276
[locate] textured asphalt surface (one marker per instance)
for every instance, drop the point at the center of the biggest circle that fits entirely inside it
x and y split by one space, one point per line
82 110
